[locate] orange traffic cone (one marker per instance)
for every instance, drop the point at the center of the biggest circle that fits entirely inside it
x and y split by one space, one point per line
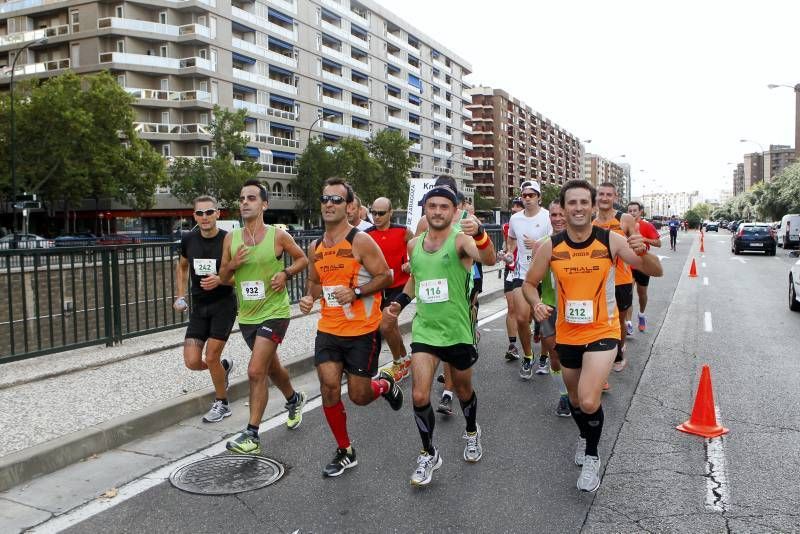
702 248
693 270
703 421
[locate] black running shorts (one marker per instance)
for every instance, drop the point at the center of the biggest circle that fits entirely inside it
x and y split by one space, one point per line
212 319
624 294
571 356
462 356
641 278
272 329
389 294
358 354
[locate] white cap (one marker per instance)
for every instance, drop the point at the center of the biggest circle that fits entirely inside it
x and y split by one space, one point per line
531 184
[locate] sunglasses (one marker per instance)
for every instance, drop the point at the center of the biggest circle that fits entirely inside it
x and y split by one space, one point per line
377 213
207 213
528 195
336 199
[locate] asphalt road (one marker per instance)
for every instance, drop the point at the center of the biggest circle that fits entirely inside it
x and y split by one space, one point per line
656 477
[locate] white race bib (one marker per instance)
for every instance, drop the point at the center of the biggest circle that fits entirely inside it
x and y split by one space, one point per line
510 276
432 291
203 267
330 298
253 290
579 312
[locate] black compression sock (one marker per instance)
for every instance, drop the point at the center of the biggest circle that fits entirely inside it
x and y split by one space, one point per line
224 401
293 398
426 420
580 419
252 429
470 409
512 340
594 428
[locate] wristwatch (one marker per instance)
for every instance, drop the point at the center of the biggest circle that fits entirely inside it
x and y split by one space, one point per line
357 292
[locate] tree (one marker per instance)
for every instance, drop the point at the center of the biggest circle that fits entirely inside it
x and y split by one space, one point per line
703 210
75 139
550 192
355 164
223 175
482 204
693 218
390 150
315 165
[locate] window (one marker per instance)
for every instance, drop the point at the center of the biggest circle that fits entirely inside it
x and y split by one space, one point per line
165 117
163 51
118 12
213 59
121 46
121 80
165 151
203 86
214 91
205 151
203 118
74 21
74 55
164 84
212 26
162 17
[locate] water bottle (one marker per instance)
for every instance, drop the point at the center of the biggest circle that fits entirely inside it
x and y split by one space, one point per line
181 305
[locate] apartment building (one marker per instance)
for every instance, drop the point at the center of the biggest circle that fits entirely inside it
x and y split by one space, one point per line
668 204
738 179
511 143
764 166
330 68
597 169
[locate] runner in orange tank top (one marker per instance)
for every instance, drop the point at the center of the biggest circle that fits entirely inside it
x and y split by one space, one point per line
624 225
348 272
582 261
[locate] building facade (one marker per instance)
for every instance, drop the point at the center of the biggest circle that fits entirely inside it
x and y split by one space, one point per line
331 68
597 169
738 179
764 166
668 204
512 143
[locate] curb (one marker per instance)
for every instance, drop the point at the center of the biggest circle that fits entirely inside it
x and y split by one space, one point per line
44 458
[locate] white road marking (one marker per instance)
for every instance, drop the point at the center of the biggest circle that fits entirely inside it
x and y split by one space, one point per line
704 265
661 258
705 280
797 262
160 475
741 260
707 321
717 490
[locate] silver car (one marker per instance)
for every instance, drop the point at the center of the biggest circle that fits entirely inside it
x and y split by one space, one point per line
794 287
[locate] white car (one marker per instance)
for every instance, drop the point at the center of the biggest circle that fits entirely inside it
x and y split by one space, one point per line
794 287
25 241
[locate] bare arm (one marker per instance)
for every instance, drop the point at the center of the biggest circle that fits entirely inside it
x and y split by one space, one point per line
313 285
466 247
367 252
299 260
422 225
181 277
628 224
537 272
627 250
392 311
226 270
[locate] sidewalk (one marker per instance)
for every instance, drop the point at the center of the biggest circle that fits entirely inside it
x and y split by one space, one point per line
62 408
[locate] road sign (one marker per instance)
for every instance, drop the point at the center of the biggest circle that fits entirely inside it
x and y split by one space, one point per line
28 205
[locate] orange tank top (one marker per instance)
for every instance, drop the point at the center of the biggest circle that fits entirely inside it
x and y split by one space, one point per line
336 266
624 274
584 275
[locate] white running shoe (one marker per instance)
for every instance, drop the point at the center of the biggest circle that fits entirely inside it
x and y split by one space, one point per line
629 327
590 474
426 465
217 413
473 450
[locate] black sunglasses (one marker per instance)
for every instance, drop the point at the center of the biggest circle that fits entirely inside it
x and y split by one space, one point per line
528 195
378 213
207 213
336 199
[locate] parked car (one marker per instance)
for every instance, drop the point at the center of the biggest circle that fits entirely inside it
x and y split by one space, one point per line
794 287
82 239
754 236
712 227
788 231
25 241
734 225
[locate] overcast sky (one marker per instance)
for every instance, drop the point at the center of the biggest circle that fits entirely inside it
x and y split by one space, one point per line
672 85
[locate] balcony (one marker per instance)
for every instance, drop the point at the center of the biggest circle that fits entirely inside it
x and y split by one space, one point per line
345 130
278 169
33 35
10 7
339 8
344 58
443 101
171 160
397 121
467 144
153 27
441 66
340 80
288 5
402 43
44 66
264 52
416 146
336 30
263 23
441 170
264 81
261 109
272 140
442 153
442 135
395 79
397 60
443 118
404 103
467 128
347 106
160 128
155 61
169 96
411 68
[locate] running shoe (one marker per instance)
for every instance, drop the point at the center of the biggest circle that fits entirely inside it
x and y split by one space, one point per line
296 411
543 366
580 451
395 395
227 364
590 474
341 461
562 410
446 405
244 443
620 365
219 411
629 327
512 353
473 450
426 465
526 369
398 370
642 322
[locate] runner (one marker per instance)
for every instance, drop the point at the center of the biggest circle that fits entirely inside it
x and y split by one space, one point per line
651 239
624 225
582 260
524 230
548 326
512 353
441 265
674 224
349 271
253 259
393 240
213 309
356 215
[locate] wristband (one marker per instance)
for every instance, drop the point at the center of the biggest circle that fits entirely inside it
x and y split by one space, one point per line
480 234
482 241
644 252
403 300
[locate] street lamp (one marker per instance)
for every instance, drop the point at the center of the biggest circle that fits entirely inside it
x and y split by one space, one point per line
796 114
754 142
13 147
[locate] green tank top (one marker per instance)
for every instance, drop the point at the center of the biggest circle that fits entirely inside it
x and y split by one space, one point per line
548 295
442 285
257 301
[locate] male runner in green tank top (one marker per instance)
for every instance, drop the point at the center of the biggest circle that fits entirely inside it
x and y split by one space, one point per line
253 258
441 278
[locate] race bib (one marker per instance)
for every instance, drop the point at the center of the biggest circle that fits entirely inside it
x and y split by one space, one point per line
528 257
579 312
432 291
204 267
253 290
510 276
330 298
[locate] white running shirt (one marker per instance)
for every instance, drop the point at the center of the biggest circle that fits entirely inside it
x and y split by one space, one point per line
520 227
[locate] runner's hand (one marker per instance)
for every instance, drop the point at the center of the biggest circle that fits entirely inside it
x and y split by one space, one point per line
344 295
239 258
470 225
210 282
180 304
530 244
542 312
636 242
278 281
306 304
406 267
392 312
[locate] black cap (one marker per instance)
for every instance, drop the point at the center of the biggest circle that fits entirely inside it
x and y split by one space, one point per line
441 191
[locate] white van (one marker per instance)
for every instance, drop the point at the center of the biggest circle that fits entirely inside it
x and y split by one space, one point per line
228 226
790 225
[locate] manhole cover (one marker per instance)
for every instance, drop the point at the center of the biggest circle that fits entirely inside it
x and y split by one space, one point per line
226 475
